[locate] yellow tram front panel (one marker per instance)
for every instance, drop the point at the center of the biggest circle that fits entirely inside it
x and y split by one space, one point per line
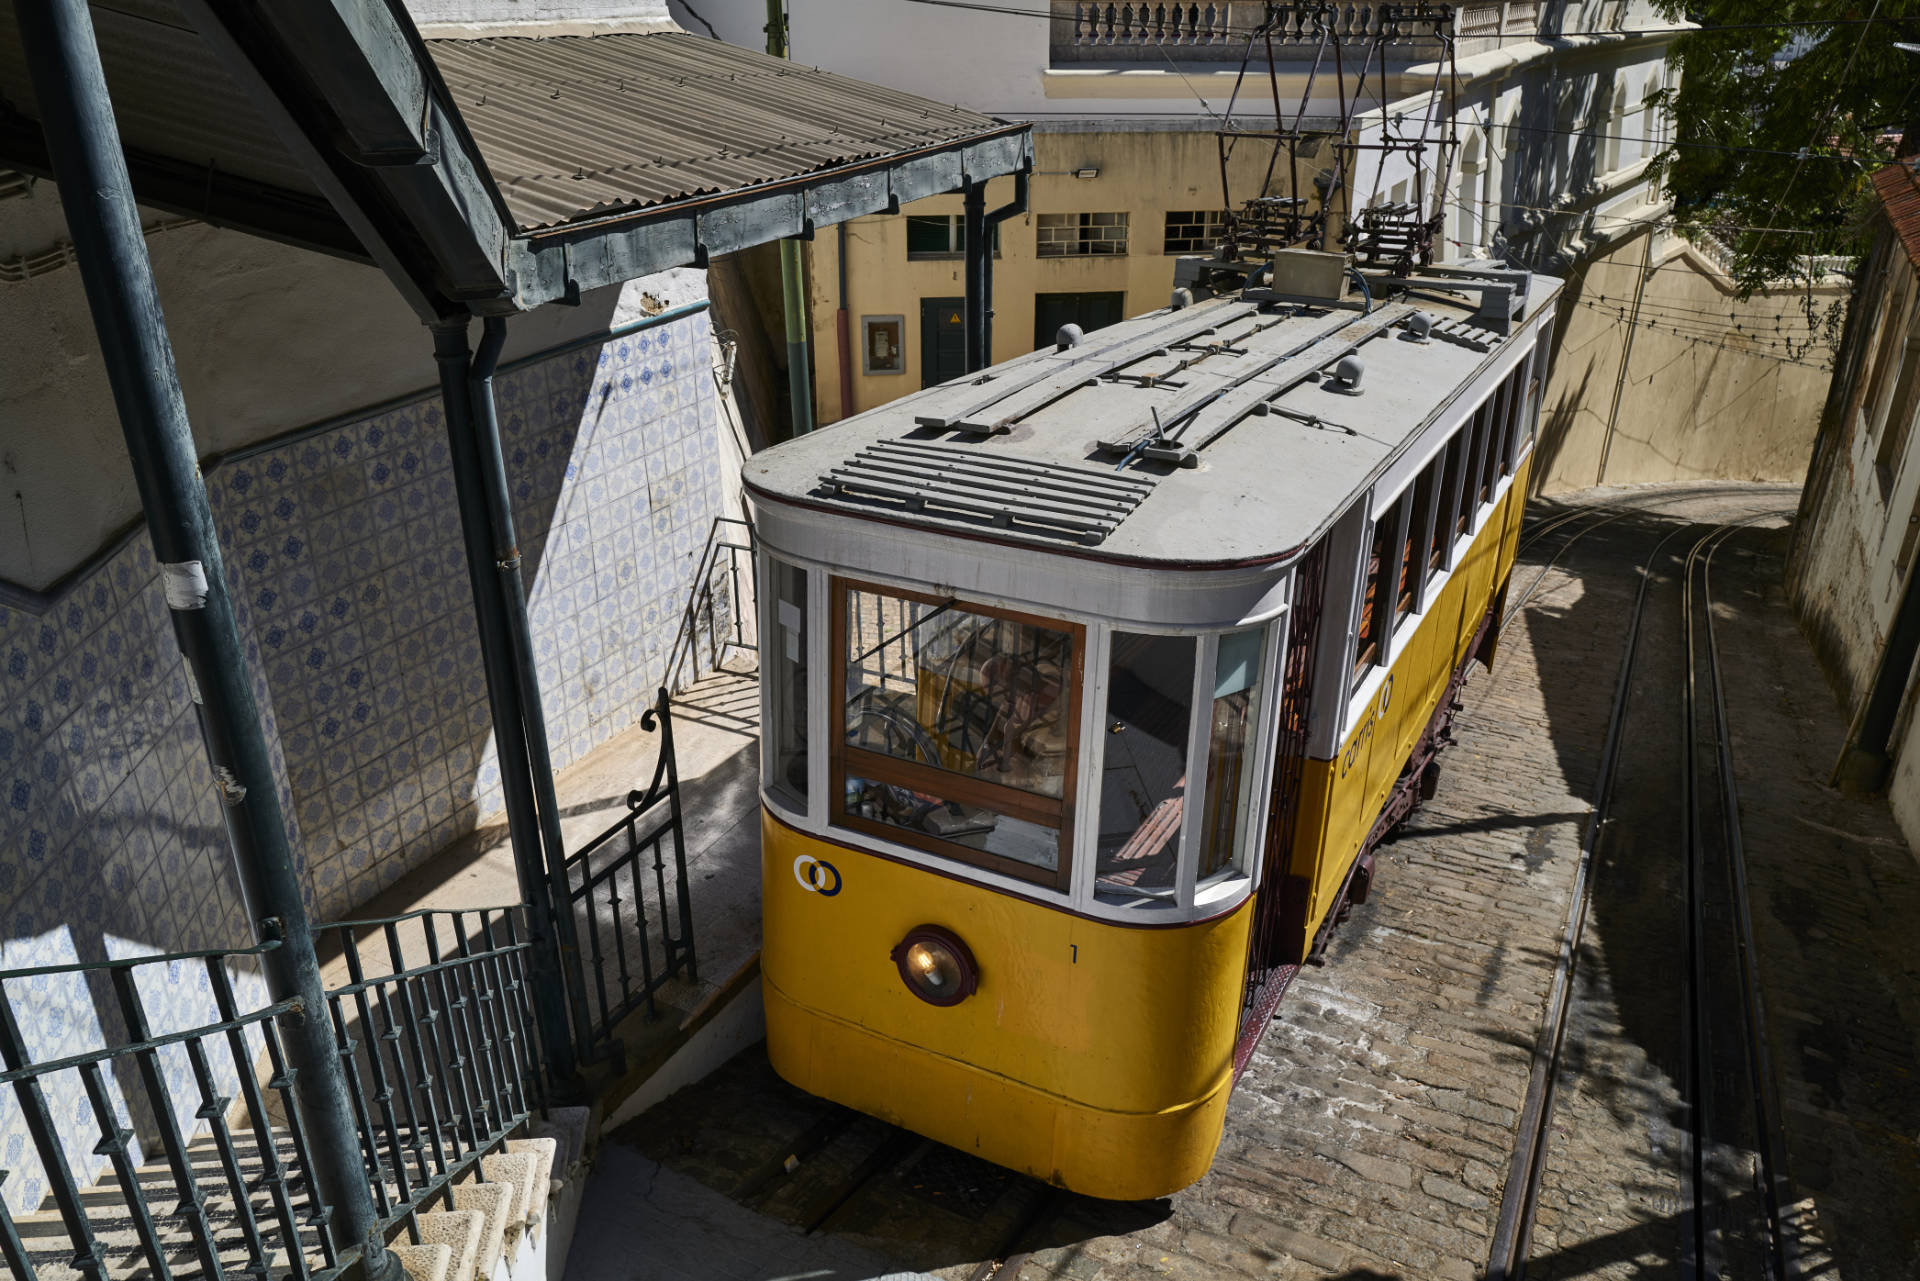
1340 799
1093 1055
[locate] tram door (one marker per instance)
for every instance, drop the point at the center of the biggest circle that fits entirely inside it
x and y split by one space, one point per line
1280 911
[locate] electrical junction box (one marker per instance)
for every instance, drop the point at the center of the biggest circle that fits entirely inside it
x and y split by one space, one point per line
1310 273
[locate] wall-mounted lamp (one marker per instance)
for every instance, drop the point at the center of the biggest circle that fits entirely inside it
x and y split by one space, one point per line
1086 173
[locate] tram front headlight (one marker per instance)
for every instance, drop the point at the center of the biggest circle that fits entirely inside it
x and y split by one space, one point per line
936 966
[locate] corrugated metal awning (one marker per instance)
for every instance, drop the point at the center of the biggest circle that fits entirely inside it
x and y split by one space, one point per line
499 173
576 127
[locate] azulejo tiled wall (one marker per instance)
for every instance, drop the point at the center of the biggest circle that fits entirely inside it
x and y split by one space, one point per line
343 549
349 548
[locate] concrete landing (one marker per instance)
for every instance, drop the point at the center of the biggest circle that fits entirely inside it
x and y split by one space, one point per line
644 1222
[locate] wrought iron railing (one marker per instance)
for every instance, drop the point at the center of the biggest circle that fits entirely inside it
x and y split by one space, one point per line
437 1035
141 1158
637 867
122 1104
718 616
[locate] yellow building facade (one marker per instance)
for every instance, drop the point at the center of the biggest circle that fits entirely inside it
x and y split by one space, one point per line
1108 214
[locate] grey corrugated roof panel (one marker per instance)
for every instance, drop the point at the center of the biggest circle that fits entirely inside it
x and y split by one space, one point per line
574 127
171 96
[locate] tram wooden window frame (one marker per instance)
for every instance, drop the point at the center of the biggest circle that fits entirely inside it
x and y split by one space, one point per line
1027 806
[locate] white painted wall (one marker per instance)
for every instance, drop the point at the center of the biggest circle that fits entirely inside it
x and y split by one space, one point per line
1552 155
429 14
267 338
995 63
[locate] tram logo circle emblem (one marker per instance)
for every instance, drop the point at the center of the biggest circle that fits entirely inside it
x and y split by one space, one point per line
816 875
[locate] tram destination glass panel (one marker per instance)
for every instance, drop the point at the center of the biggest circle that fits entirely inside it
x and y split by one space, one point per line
958 729
1143 780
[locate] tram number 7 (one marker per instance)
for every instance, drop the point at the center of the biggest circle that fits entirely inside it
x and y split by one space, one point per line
1076 953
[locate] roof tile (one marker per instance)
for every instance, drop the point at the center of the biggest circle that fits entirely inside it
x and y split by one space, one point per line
1899 188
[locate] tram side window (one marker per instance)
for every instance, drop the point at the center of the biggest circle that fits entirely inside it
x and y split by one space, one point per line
1499 414
1376 593
1143 780
1488 448
786 635
1510 425
958 729
1417 537
1231 751
1446 521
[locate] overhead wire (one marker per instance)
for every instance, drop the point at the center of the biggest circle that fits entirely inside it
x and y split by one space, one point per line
1820 129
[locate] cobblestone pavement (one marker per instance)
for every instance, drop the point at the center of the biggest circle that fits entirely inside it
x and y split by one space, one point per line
1371 1135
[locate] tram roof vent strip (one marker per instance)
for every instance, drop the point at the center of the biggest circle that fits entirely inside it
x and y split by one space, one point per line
1049 380
1223 407
945 482
1169 417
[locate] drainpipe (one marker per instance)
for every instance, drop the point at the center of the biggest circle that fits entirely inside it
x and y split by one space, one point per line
510 735
979 275
1013 208
493 468
843 326
793 277
63 64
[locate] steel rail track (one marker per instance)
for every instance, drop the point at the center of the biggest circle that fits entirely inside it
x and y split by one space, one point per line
1783 1262
1507 1256
1011 1255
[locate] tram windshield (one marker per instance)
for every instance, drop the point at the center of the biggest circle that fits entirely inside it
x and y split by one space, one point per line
958 729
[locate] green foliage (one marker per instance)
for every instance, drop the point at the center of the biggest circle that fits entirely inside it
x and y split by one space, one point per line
1838 93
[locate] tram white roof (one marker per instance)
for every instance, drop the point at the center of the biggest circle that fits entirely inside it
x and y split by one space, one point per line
1016 454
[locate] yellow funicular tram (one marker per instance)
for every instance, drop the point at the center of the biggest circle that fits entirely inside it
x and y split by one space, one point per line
1089 682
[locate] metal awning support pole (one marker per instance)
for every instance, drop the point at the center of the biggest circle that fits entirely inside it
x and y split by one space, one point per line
63 63
979 275
793 277
454 356
1012 209
533 715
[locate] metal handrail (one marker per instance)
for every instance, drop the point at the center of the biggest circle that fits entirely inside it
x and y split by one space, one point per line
701 590
606 921
443 1060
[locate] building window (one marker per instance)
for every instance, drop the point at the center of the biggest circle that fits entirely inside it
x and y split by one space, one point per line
941 236
1087 235
1194 231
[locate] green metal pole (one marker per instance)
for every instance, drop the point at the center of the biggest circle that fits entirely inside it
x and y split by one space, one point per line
90 169
793 276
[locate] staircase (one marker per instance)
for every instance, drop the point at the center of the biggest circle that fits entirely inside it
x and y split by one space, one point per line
159 1159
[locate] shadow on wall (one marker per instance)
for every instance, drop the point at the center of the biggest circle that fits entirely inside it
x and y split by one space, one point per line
350 548
344 555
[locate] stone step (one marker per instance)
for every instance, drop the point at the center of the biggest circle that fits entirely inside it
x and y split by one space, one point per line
493 1207
426 1262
